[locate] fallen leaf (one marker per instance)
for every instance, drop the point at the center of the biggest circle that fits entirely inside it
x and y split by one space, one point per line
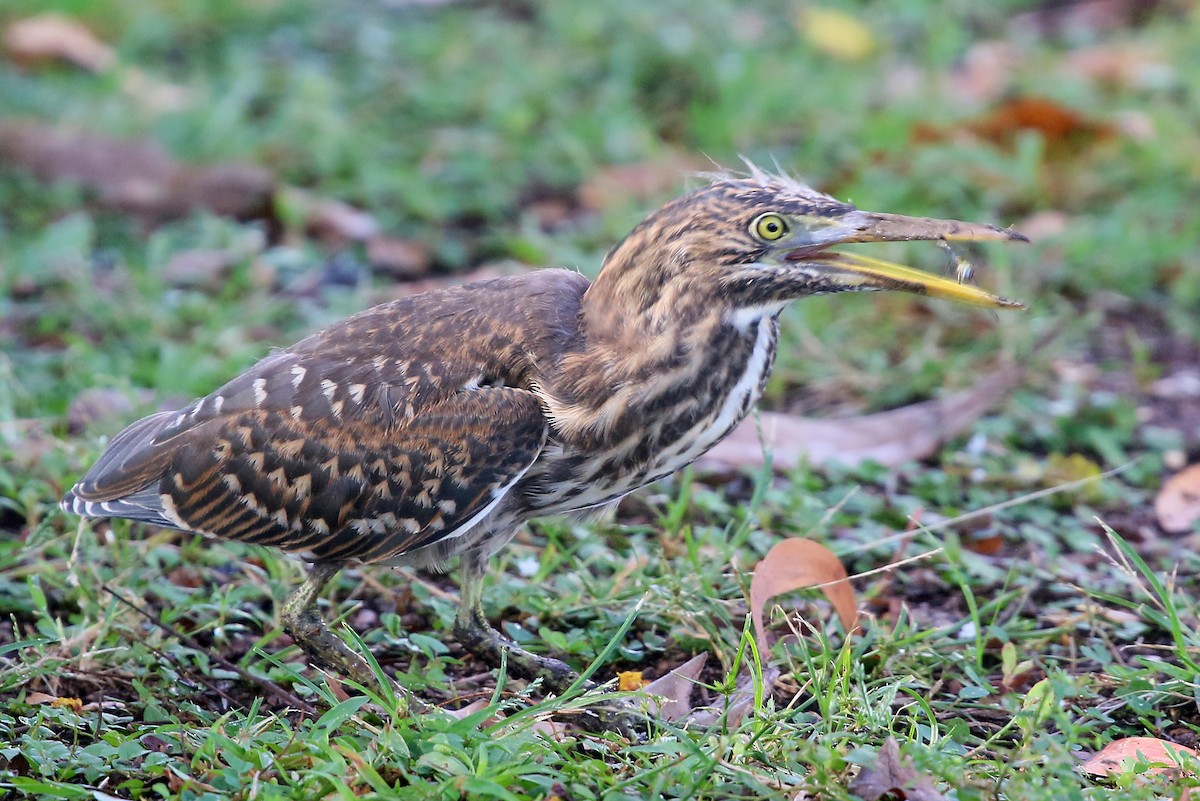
52 37
1079 20
1059 125
1123 65
836 33
402 259
73 704
638 183
153 94
893 777
630 680
469 709
671 695
890 438
330 221
1119 755
137 175
1073 467
986 71
739 703
1177 505
796 564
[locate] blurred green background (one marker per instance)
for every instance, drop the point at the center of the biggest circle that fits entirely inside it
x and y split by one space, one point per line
186 185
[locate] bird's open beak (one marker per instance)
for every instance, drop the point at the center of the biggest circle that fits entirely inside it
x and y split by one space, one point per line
853 270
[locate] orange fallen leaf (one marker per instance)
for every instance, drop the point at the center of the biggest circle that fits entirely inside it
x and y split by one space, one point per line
1057 123
53 37
1119 755
1177 505
796 564
62 702
73 704
629 680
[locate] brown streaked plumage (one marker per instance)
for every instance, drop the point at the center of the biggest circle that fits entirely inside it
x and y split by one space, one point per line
436 425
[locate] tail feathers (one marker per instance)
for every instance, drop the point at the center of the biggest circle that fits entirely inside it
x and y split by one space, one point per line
144 506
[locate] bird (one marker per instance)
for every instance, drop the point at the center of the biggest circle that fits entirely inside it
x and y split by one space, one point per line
435 426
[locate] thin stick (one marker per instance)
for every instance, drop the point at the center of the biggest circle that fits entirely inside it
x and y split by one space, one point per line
279 692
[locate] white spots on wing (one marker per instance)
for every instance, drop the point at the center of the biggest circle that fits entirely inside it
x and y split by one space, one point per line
218 402
260 391
379 362
448 506
298 373
179 419
336 408
329 388
297 412
197 407
232 482
474 383
357 391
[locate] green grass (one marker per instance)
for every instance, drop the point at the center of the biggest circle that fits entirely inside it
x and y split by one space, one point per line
1035 634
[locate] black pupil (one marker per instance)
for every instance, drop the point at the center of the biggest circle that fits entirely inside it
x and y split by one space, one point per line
772 227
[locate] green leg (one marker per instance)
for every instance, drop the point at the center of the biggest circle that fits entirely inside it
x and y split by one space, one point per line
471 628
303 622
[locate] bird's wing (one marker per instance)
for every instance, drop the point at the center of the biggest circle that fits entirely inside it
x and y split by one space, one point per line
361 489
394 429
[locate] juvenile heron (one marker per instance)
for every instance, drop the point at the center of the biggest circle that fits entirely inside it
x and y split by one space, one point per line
435 426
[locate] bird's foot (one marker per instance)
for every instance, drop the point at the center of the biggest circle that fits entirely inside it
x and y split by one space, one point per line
477 636
303 623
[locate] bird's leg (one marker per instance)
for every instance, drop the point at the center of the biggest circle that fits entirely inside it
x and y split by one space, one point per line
303 623
472 630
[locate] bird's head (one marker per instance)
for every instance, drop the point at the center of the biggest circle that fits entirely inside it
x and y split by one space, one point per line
760 241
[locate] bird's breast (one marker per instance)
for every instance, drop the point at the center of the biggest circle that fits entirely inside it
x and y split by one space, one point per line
678 421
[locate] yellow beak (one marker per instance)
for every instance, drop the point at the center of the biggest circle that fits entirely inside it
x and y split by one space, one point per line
853 270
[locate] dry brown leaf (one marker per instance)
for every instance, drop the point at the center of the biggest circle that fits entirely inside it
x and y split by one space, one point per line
739 703
890 438
1119 754
137 175
986 71
1177 505
469 709
796 564
672 693
1080 19
638 183
1121 65
893 777
152 94
52 37
403 259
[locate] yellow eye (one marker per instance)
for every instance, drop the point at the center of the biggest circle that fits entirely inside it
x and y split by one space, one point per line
769 227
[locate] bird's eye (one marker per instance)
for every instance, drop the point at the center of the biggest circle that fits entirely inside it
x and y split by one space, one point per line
769 227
